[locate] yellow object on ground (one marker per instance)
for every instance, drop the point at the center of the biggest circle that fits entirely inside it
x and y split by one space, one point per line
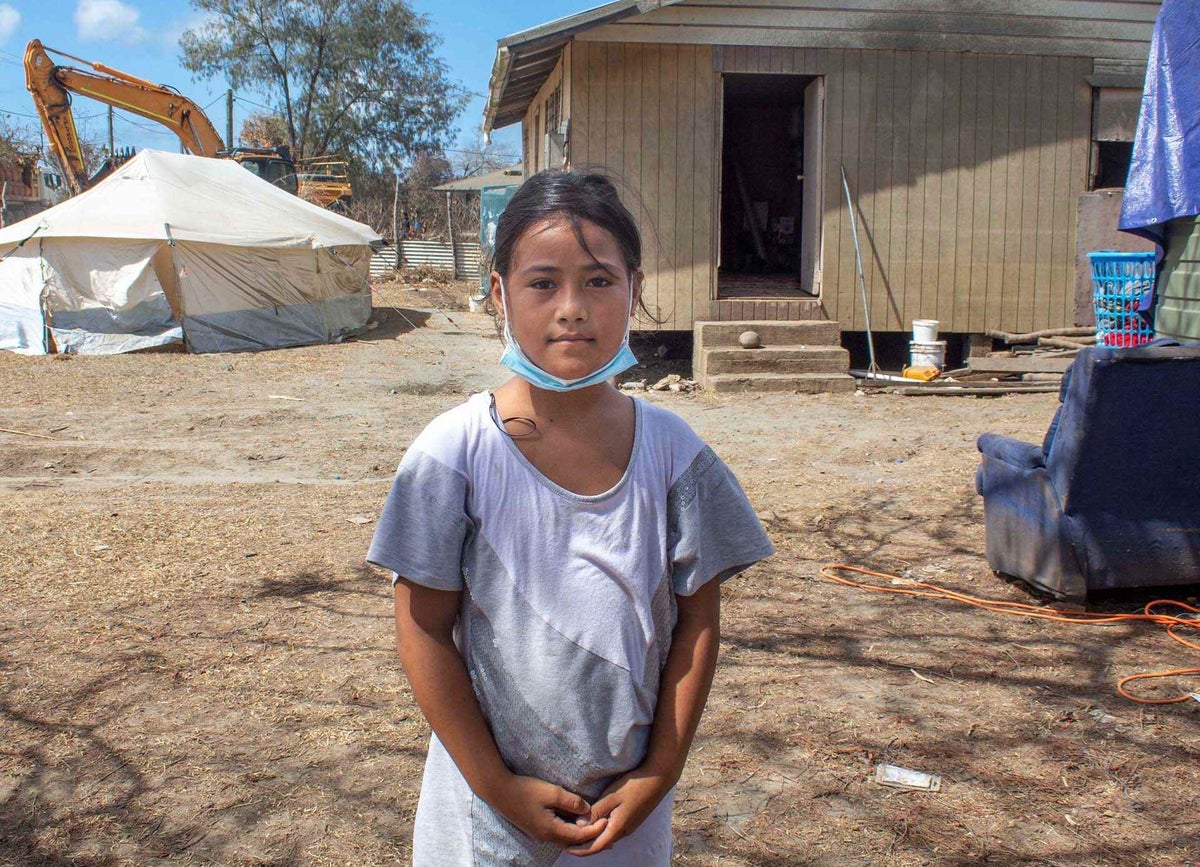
922 374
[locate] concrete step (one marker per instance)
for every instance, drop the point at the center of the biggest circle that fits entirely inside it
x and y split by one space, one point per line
772 333
797 383
776 359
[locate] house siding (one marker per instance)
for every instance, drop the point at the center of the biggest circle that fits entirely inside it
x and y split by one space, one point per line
648 114
1114 29
964 170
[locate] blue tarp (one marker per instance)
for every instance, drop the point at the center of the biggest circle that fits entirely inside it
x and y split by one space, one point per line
1164 175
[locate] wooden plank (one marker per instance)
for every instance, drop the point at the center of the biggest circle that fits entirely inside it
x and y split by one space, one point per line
976 317
1030 155
631 121
884 312
707 164
568 80
957 305
1015 106
685 203
1080 151
1072 10
931 235
598 69
948 251
855 143
1048 106
917 178
1021 364
827 211
649 127
780 59
614 101
667 183
1060 192
951 20
578 109
863 178
997 205
901 87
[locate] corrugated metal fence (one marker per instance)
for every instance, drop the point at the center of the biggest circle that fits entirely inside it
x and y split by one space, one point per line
464 258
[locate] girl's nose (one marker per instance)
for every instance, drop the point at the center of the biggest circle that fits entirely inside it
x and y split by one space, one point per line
572 303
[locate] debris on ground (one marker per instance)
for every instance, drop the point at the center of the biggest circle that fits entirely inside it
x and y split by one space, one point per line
903 778
671 382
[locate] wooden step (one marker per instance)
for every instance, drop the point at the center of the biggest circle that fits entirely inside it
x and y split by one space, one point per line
796 383
806 333
776 359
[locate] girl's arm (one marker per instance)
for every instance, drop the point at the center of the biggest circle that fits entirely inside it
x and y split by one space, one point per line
440 683
682 693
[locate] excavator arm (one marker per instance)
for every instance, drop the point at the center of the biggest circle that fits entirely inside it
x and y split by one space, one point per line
52 85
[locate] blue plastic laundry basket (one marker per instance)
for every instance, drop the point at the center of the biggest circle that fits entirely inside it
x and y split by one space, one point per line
1123 294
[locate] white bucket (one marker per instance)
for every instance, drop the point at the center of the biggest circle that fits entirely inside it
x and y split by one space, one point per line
925 330
927 354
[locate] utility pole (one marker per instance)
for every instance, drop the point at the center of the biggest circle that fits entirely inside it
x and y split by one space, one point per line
111 149
229 118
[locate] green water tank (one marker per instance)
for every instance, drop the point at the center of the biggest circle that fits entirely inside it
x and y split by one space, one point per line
1177 311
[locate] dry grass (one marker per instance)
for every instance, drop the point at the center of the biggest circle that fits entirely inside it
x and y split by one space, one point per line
197 666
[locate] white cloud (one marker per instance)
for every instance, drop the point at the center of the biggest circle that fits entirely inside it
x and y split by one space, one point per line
107 21
10 19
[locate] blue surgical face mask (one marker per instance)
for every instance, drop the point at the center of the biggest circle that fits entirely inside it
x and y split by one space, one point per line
518 362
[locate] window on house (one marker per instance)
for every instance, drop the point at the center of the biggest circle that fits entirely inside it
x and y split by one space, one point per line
1114 127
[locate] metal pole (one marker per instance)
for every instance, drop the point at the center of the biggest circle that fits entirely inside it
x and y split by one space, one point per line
229 118
395 224
450 230
862 283
111 139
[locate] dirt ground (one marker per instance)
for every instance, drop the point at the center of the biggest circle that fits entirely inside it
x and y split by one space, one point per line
196 666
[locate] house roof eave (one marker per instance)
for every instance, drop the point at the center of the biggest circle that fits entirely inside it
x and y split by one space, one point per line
515 55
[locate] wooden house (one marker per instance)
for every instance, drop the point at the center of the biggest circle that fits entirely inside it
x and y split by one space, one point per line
968 131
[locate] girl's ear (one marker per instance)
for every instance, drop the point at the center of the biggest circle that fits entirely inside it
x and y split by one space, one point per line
494 291
639 282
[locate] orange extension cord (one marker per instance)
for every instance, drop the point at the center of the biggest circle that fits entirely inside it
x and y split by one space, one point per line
1173 623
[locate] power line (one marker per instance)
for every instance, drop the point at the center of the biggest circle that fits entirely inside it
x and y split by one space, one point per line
253 103
19 113
142 126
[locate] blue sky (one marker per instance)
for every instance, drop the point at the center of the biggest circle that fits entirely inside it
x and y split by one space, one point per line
141 37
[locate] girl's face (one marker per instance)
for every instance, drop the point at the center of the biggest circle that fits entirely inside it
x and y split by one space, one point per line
569 311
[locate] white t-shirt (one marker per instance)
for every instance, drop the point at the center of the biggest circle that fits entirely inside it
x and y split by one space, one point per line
567 611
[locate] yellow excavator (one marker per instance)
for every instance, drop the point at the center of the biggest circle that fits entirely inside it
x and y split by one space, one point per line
323 180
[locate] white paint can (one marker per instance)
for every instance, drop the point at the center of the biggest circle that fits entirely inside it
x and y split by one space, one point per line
927 354
925 330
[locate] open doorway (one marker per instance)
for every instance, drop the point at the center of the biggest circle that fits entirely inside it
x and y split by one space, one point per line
771 159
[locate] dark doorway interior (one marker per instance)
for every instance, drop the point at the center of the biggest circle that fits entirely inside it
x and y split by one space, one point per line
762 186
1112 163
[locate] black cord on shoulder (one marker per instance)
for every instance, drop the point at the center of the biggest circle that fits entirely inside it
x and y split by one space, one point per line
503 423
532 425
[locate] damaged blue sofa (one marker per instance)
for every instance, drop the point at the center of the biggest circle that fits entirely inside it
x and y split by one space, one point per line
1111 498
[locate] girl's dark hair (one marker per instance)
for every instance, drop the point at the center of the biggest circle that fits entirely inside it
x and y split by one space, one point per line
574 197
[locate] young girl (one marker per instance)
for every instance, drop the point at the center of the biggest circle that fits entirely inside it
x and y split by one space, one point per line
558 549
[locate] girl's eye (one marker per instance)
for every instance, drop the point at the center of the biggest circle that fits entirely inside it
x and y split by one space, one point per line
600 282
541 284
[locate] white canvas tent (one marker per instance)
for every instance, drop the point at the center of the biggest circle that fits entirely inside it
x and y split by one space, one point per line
174 248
